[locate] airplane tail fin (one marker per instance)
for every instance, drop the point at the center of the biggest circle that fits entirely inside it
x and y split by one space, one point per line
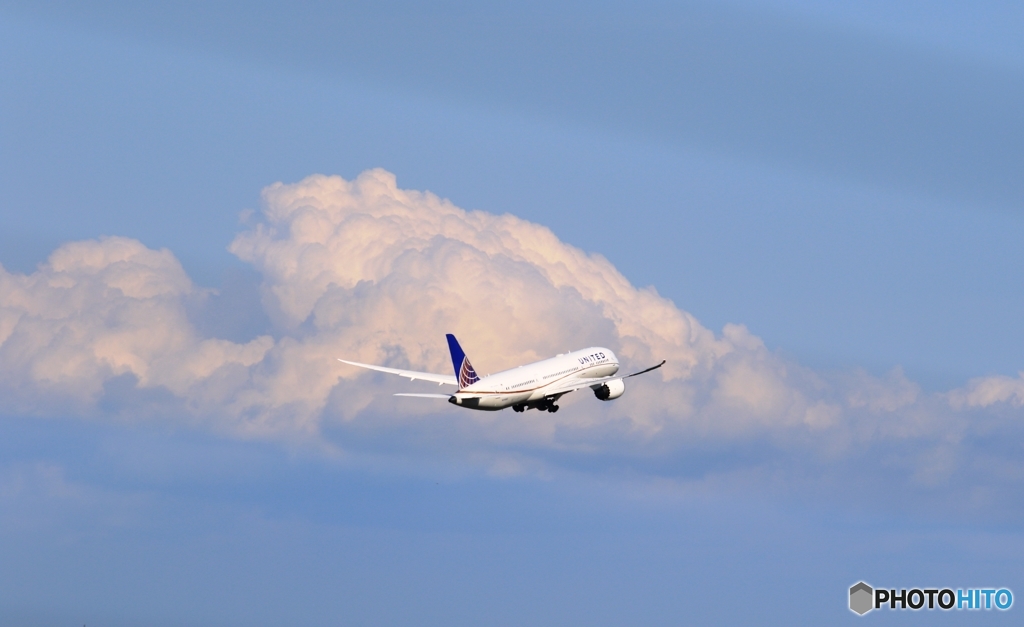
463 369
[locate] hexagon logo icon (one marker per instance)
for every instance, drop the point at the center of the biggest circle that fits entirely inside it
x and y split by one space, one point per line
861 596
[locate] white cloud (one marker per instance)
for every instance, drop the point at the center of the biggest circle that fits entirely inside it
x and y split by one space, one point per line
102 309
987 391
367 271
378 274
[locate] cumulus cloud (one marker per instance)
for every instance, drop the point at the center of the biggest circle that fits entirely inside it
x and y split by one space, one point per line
98 310
365 270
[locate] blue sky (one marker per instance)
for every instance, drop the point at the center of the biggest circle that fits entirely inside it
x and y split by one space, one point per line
842 180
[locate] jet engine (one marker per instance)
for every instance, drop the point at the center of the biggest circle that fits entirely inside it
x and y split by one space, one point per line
611 390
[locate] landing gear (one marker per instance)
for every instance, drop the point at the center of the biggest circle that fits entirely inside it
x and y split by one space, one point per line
545 404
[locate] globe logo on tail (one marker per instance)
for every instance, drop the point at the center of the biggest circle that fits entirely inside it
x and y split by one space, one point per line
467 376
463 369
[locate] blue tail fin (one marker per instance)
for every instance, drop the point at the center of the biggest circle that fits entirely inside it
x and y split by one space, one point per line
463 369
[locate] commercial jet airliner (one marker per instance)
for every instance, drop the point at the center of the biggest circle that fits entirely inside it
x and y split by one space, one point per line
534 386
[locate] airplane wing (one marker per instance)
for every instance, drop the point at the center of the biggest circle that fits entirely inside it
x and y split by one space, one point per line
440 379
642 371
572 385
427 395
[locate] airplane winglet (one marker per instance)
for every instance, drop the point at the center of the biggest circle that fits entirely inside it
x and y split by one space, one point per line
646 370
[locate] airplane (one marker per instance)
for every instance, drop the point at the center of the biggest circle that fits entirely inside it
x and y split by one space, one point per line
533 386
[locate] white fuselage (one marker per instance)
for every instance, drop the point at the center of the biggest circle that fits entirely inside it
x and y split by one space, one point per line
534 382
